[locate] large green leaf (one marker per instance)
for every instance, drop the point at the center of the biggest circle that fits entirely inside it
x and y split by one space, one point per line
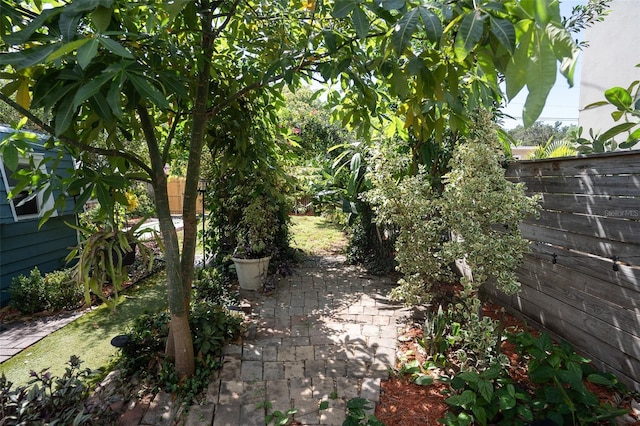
87 52
115 47
10 156
516 73
469 33
404 30
360 22
504 31
148 91
101 17
619 97
66 48
616 130
64 115
68 25
432 24
392 4
91 88
343 8
541 76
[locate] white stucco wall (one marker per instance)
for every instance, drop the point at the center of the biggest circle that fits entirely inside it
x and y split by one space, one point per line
610 60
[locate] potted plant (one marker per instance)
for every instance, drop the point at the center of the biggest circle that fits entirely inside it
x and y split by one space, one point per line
255 237
104 253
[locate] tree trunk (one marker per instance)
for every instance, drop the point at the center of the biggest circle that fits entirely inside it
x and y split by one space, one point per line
180 342
198 128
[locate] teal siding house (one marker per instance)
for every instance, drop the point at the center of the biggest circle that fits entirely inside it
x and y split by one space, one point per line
22 245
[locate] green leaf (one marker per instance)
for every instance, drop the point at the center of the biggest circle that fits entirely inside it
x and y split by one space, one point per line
101 18
360 22
480 414
68 25
10 156
616 130
424 380
619 97
541 76
432 24
404 30
66 49
485 387
91 88
506 402
115 47
504 31
64 115
148 91
87 52
343 8
469 34
324 405
392 4
516 72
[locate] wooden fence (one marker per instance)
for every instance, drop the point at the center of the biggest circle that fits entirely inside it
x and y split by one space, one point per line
582 279
175 188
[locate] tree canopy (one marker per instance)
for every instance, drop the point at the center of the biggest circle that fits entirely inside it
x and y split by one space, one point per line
114 71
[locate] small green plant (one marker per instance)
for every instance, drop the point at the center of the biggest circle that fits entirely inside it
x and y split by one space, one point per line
434 333
62 289
143 353
211 285
54 291
28 294
484 396
559 374
48 399
559 394
357 413
280 418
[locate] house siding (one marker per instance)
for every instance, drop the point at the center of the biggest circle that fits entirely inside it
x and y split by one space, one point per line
24 245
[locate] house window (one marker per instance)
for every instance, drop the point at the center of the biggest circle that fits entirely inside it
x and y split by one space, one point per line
25 205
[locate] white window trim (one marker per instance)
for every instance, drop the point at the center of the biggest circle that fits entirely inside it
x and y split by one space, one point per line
43 205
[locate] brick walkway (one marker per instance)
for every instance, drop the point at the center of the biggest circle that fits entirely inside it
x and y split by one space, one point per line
328 333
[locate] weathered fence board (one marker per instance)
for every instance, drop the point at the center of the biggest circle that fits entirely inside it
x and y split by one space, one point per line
585 184
596 226
598 246
619 274
577 285
597 205
604 164
582 279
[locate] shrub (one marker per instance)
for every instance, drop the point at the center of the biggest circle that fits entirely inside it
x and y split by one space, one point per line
212 286
558 394
28 294
35 293
62 289
49 400
143 354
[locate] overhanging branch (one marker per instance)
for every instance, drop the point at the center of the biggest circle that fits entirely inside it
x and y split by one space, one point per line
113 153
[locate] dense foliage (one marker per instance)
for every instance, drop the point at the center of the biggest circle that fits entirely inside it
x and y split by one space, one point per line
52 292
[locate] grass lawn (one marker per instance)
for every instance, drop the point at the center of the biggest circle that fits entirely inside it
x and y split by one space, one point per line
88 337
315 235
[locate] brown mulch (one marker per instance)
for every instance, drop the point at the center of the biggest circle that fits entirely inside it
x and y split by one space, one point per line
404 403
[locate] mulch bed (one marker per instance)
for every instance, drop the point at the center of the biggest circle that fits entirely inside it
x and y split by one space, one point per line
403 403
